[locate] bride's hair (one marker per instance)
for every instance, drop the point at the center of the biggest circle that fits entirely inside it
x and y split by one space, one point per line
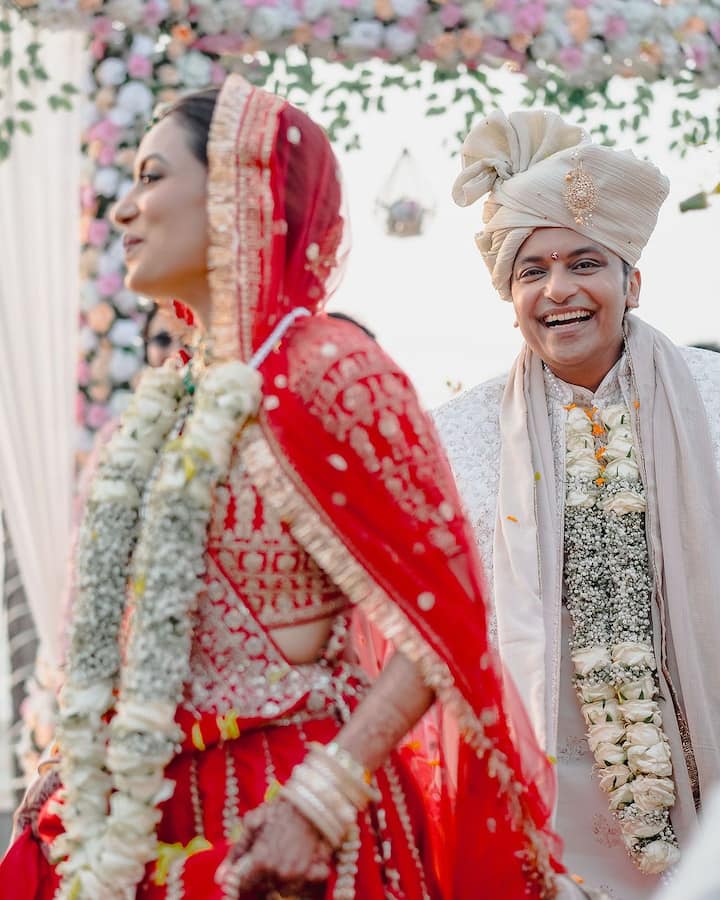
194 111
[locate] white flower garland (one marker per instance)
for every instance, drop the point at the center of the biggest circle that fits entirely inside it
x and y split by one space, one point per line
609 587
105 854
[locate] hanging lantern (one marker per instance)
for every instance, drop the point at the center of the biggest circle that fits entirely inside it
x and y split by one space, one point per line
405 202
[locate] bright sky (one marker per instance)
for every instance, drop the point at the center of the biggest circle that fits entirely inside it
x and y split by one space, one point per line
429 298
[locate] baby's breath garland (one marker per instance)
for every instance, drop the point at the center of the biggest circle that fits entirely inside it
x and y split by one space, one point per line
609 592
110 837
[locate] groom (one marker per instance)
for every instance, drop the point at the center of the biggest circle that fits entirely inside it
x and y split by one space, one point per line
591 475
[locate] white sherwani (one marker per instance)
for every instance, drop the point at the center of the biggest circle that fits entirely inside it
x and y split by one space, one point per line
470 428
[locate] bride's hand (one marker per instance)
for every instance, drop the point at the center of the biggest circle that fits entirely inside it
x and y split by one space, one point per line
279 846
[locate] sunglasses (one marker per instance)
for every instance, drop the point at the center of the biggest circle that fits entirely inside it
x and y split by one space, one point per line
162 339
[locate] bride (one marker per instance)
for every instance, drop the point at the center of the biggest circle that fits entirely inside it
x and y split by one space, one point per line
264 520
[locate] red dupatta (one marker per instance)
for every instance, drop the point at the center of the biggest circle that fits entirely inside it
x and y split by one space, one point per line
343 450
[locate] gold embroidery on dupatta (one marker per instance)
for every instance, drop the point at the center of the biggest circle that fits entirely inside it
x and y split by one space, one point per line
264 464
240 207
363 393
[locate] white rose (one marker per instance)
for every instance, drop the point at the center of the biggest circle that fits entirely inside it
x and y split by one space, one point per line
592 692
405 8
81 701
137 98
111 72
614 415
577 442
641 711
631 653
577 422
606 732
640 828
609 754
211 20
612 777
601 711
582 464
363 36
650 760
400 41
623 468
652 793
584 498
106 181
127 11
590 658
619 447
641 689
657 856
121 116
642 734
157 716
266 24
195 69
621 796
142 45
624 502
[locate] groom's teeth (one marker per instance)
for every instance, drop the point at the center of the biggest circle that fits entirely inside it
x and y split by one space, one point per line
557 318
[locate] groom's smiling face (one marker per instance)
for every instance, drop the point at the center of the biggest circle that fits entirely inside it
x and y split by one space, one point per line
570 295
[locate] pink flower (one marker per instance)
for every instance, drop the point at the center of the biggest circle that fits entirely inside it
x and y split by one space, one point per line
97 49
571 58
495 47
615 27
323 28
349 4
582 4
87 197
80 403
105 131
83 372
106 157
715 32
217 73
109 284
101 27
139 66
153 13
530 18
98 232
451 15
700 56
97 415
506 6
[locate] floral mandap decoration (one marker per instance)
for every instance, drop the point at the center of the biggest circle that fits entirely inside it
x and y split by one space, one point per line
567 53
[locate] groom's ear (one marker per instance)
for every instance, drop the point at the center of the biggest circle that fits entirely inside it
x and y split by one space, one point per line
632 292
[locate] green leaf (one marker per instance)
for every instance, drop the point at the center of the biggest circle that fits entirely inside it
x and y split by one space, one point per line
697 201
68 88
5 27
4 149
25 106
25 126
24 76
6 58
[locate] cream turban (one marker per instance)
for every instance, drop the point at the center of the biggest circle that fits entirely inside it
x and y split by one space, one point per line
542 172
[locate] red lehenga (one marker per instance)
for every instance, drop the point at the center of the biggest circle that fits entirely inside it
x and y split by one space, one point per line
339 502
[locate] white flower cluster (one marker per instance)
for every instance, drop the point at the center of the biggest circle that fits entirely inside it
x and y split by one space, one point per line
608 581
107 539
108 852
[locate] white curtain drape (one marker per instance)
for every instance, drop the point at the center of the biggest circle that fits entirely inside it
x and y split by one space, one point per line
39 287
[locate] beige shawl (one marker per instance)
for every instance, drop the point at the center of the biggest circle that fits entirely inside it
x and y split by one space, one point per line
683 518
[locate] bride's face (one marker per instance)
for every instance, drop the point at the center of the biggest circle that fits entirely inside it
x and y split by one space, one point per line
163 217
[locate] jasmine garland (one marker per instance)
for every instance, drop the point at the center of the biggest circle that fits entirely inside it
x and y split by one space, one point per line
110 836
609 591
